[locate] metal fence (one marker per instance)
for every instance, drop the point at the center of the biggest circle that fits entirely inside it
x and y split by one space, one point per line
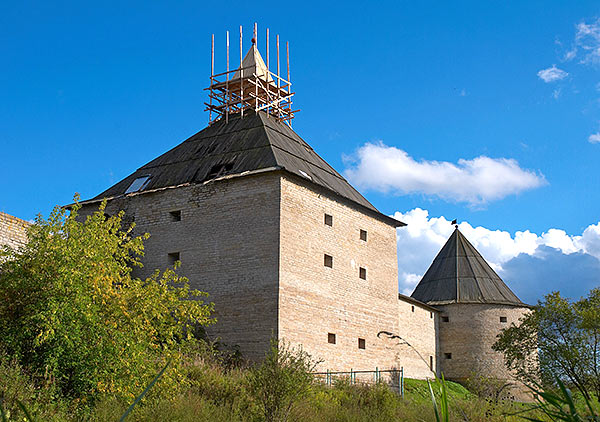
393 377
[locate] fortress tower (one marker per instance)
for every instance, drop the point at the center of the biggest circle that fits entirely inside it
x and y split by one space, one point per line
283 244
475 305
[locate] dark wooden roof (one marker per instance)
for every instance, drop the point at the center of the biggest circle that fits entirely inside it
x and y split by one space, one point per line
242 145
459 274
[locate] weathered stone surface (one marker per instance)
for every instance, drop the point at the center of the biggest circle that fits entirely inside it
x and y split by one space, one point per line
256 244
469 334
13 230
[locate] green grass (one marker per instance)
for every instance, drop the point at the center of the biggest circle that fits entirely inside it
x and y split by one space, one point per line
213 393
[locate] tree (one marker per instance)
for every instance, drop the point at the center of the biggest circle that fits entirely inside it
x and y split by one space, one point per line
560 338
71 310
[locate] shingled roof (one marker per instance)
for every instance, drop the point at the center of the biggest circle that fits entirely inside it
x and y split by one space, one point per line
242 145
459 274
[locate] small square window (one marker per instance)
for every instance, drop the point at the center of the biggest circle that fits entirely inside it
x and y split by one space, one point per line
363 235
412 308
445 319
330 338
361 343
448 355
173 258
328 261
328 220
175 215
503 319
362 273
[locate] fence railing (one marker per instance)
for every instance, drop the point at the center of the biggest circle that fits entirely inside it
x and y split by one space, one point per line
393 377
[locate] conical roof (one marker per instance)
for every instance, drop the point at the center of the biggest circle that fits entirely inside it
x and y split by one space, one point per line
459 274
254 143
253 63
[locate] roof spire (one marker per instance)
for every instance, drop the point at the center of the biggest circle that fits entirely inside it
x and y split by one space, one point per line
459 274
252 86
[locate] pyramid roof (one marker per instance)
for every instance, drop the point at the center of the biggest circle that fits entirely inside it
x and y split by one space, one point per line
253 63
254 143
459 274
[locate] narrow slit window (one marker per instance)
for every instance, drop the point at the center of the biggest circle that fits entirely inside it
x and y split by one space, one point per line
431 315
330 338
448 355
328 261
173 258
503 319
362 273
431 363
412 308
175 215
328 220
362 344
138 184
363 235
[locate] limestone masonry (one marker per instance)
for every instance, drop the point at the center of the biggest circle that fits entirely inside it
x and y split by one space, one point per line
13 230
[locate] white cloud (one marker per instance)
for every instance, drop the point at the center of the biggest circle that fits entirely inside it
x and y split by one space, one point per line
587 42
594 138
422 238
379 167
552 74
556 93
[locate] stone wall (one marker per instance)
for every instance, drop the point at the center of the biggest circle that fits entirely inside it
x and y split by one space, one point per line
256 244
13 230
316 301
228 243
468 336
418 325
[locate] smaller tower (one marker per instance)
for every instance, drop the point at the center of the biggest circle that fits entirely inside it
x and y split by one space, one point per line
475 306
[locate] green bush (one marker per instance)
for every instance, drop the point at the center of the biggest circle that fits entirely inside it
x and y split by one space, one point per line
281 380
71 311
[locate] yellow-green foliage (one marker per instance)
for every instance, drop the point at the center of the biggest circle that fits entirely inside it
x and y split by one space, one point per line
70 310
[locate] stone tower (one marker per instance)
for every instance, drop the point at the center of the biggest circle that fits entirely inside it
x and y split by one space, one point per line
283 244
475 305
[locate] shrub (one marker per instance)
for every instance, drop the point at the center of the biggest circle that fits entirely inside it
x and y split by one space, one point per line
280 380
70 309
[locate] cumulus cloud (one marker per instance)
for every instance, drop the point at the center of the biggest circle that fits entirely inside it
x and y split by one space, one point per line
594 138
376 166
531 264
552 74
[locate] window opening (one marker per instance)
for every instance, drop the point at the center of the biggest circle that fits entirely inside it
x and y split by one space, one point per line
175 215
331 338
363 235
328 261
362 273
503 319
448 355
361 343
173 258
328 220
138 184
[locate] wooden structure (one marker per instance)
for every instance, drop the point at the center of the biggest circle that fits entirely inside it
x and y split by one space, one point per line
251 86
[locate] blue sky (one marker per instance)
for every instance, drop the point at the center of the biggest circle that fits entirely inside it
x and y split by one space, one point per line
422 105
